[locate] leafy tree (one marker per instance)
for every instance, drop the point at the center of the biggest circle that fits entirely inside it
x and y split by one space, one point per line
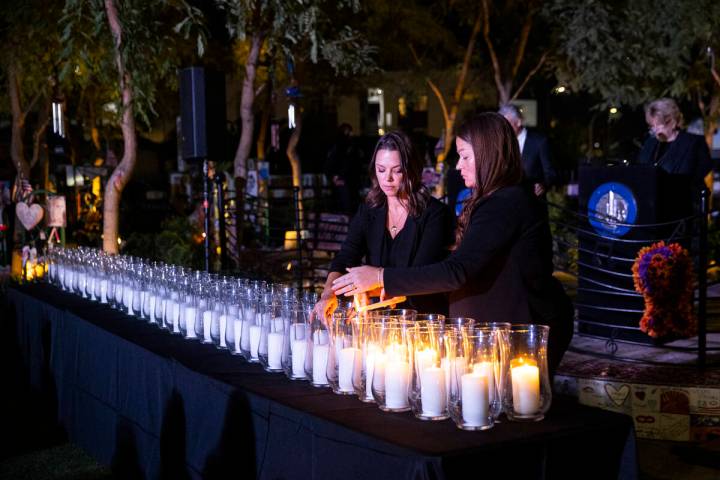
28 66
133 47
630 52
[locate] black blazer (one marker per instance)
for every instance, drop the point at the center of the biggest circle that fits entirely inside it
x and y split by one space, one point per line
688 154
537 165
429 238
501 271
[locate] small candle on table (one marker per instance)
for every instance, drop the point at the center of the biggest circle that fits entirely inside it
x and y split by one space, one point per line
475 399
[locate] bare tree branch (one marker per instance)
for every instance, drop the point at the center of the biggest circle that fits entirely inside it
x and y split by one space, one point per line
491 49
530 75
524 34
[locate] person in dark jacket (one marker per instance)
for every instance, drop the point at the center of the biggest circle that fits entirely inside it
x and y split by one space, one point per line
671 149
501 268
399 225
538 171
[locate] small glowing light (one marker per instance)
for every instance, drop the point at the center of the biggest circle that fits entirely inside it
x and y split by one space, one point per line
381 131
78 70
291 116
218 250
289 266
613 110
203 234
119 241
560 89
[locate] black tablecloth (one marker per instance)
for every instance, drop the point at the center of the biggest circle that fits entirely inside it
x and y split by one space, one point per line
152 404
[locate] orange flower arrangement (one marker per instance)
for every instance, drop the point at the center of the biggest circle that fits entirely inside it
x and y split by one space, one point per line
664 275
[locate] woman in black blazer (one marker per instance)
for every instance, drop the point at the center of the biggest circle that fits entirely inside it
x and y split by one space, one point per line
501 267
399 225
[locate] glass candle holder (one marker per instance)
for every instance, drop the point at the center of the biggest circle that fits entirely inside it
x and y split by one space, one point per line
171 318
392 372
428 385
475 396
319 354
369 345
209 318
345 363
528 394
248 305
271 336
297 344
160 297
234 325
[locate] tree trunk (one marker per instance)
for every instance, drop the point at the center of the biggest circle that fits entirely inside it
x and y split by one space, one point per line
247 99
293 155
121 174
17 148
247 121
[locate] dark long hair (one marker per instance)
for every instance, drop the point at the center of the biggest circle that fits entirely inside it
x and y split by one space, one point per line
497 160
411 190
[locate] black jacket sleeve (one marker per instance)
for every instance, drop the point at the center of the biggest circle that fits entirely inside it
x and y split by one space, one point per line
437 234
354 247
549 174
493 225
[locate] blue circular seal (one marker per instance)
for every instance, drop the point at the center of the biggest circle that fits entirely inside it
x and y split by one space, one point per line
612 203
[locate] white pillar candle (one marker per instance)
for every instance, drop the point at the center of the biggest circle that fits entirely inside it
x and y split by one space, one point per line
202 304
371 354
298 350
275 346
255 334
103 290
223 329
487 369
278 325
90 286
82 279
263 346
433 395
475 399
127 299
237 329
207 324
175 316
190 316
349 362
118 289
320 360
424 359
137 298
525 389
245 334
397 373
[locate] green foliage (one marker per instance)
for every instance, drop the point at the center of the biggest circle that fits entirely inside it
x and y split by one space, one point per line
174 244
302 30
629 52
150 47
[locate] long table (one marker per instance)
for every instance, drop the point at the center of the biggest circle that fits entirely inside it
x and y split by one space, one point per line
153 405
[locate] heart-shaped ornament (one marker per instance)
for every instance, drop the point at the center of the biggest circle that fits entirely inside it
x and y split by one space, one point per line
29 215
617 395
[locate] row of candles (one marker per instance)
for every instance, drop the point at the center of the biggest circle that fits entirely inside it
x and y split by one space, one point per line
436 367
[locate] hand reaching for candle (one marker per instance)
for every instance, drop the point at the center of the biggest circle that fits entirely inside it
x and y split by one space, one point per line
358 280
324 308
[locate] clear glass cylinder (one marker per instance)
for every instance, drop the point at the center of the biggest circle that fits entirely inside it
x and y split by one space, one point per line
392 368
476 394
345 361
370 349
171 318
297 344
233 332
249 319
528 394
272 332
428 392
318 355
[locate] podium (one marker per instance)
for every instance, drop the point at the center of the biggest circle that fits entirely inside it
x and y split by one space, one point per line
623 208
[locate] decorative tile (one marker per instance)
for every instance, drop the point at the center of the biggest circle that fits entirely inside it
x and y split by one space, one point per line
705 401
645 398
675 401
704 428
675 427
647 424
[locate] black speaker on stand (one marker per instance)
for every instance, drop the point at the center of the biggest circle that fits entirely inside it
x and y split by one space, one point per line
202 101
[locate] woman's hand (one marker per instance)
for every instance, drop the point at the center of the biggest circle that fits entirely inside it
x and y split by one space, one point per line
324 308
357 280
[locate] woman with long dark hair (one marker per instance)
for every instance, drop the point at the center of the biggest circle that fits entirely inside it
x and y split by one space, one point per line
399 225
501 268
